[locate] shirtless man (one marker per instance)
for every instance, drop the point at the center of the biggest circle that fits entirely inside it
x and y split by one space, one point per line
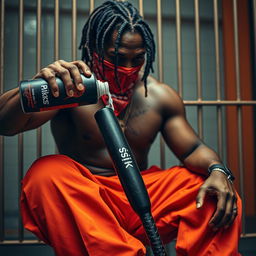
74 201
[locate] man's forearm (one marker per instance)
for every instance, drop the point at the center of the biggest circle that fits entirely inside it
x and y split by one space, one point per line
201 159
12 118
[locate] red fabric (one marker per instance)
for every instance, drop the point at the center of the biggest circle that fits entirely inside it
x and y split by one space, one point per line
121 93
80 214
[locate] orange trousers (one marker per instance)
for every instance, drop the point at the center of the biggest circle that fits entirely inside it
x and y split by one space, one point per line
78 213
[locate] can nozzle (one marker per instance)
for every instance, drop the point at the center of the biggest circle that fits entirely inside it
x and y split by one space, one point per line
103 89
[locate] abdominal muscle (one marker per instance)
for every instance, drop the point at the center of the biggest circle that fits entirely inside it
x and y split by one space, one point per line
100 163
100 170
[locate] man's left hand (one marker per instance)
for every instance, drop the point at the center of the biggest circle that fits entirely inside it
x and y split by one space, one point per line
217 184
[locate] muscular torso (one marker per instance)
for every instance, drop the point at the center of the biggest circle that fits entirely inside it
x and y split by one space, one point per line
77 134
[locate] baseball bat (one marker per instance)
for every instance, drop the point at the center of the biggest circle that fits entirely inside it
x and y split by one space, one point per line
128 172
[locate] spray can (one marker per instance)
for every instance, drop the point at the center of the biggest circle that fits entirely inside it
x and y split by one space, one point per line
36 96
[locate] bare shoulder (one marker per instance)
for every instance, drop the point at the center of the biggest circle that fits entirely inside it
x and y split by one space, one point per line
166 97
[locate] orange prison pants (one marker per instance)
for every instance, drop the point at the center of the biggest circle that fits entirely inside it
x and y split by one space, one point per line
80 214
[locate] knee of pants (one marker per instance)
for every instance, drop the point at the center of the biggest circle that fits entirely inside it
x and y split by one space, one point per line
47 169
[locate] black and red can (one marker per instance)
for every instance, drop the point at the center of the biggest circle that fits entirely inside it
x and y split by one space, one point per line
36 96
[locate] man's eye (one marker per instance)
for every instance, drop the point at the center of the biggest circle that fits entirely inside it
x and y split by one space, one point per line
122 60
139 57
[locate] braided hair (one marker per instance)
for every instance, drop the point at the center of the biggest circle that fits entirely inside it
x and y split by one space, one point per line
121 16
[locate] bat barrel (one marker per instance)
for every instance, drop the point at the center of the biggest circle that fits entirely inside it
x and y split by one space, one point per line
129 174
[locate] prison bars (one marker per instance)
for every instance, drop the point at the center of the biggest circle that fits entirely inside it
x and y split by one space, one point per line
199 102
2 13
20 136
160 71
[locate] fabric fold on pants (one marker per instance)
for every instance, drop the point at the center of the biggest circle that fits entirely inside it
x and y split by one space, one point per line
78 213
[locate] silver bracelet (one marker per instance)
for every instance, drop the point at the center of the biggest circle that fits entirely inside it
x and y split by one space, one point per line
222 168
229 177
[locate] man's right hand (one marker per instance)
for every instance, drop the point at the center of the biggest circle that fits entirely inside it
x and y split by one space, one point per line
68 72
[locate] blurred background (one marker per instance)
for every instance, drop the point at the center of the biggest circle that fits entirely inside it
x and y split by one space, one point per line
206 51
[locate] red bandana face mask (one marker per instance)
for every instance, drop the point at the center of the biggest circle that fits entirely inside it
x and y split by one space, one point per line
121 93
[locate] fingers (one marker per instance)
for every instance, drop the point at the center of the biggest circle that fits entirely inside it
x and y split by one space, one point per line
49 76
69 73
65 76
234 210
219 214
83 68
226 211
233 216
200 197
73 73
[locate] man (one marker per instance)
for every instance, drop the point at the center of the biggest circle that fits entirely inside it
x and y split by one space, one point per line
74 201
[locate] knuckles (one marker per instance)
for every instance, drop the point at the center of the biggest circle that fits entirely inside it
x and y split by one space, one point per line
80 63
73 67
51 77
225 194
44 70
63 72
63 69
60 62
47 73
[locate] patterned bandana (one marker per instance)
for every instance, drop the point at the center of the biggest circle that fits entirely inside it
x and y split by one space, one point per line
121 93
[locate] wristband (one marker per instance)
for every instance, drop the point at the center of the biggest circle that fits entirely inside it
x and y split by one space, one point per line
222 168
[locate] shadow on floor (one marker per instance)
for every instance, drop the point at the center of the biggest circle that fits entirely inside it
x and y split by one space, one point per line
247 247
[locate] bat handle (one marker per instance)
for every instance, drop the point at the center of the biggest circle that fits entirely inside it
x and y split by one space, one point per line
153 235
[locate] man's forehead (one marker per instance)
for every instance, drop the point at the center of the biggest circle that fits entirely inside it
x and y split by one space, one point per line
129 39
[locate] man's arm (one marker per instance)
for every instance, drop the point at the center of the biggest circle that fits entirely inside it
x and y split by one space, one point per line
12 118
197 157
181 138
186 145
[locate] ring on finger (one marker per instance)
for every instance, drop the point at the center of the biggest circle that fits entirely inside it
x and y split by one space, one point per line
234 209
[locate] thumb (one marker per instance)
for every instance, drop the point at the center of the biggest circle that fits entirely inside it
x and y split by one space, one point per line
200 197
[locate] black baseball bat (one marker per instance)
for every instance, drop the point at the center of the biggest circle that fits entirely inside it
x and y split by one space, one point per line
128 172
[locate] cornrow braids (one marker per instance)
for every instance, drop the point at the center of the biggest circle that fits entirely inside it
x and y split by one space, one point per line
122 16
117 42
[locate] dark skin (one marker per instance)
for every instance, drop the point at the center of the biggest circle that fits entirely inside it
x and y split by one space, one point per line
77 135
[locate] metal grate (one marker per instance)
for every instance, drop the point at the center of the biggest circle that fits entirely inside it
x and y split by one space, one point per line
221 105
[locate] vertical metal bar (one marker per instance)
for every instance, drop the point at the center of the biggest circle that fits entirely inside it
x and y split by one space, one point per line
239 112
198 60
1 137
254 26
20 136
160 71
236 40
91 6
159 40
56 37
56 29
217 51
178 42
38 66
74 27
2 17
141 8
217 66
254 15
198 69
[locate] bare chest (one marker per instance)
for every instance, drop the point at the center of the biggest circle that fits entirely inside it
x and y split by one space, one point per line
140 124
